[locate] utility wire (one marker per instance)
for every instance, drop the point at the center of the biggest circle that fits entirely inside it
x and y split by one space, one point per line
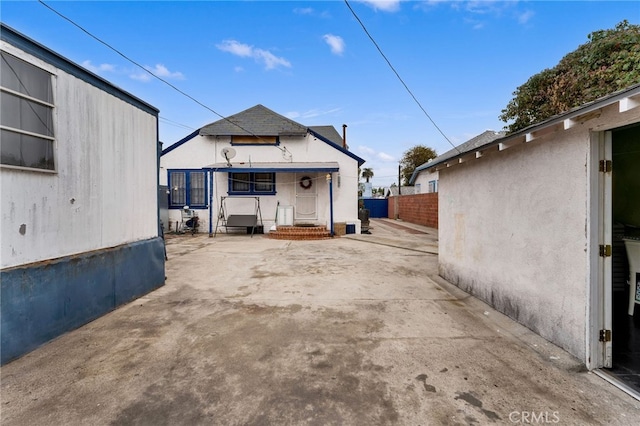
398 75
175 123
284 150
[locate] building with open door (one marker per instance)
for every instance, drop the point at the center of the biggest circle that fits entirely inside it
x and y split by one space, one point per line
535 223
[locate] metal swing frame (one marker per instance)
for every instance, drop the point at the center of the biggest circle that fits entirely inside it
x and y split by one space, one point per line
238 220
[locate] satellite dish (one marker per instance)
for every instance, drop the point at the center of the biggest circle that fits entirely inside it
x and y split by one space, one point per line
228 154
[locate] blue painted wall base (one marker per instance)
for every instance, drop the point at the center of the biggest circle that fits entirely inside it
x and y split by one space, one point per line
43 300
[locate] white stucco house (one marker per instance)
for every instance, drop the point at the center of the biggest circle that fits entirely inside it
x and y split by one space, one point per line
425 178
260 163
526 220
79 178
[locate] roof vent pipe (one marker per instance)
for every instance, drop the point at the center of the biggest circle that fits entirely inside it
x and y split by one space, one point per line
344 136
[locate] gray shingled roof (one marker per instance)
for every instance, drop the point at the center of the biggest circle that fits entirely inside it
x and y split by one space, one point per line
632 92
473 143
255 121
328 132
405 190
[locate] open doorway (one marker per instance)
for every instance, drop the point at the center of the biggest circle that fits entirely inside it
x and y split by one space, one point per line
625 215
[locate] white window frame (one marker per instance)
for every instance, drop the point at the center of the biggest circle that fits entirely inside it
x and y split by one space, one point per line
51 105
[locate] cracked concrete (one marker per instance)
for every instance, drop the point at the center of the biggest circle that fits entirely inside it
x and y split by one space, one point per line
349 331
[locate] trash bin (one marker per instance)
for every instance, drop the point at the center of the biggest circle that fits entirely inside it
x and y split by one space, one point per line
363 215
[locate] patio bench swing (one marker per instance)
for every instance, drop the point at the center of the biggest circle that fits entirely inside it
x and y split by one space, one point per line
248 221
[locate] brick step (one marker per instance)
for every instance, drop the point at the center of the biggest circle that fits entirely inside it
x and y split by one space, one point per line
300 233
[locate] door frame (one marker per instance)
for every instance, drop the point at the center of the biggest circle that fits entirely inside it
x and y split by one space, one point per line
308 193
599 353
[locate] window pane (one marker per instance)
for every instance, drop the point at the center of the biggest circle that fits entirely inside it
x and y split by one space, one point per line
26 115
197 189
240 182
178 182
26 151
264 182
25 78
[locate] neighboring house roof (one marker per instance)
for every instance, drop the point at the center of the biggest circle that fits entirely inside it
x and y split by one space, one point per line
404 190
627 99
261 121
337 146
255 121
482 139
330 133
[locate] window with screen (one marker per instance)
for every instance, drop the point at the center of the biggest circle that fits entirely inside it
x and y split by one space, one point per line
187 188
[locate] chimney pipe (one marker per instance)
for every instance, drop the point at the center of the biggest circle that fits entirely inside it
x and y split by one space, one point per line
344 136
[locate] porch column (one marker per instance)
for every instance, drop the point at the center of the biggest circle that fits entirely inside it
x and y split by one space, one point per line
330 181
210 203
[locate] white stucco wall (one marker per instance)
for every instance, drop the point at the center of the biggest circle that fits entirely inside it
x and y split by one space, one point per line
421 183
104 190
203 151
514 229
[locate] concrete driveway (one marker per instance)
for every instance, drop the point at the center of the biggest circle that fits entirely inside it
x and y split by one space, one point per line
357 330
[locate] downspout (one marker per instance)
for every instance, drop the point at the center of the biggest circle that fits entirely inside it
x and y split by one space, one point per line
330 181
158 154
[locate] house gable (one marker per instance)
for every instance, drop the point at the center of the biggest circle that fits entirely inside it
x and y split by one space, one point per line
259 125
256 121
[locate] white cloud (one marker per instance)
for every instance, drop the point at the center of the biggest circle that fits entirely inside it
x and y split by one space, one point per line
384 5
312 113
98 68
159 70
385 157
525 16
374 156
162 71
366 150
236 48
335 42
141 76
303 10
242 50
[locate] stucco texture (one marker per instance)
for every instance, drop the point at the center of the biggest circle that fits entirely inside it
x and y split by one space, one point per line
512 232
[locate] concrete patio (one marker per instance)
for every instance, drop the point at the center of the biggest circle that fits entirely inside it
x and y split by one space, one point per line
349 331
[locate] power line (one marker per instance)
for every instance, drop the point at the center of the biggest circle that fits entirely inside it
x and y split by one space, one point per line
398 75
284 150
175 123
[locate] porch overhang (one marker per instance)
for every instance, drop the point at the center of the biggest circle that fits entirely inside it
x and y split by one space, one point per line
300 167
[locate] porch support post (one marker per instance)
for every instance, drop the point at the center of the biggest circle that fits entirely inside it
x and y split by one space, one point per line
210 203
330 181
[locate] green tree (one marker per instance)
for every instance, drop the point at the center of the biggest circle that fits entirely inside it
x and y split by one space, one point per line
412 158
367 173
608 62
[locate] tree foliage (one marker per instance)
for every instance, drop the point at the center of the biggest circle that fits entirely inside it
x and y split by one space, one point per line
412 158
608 62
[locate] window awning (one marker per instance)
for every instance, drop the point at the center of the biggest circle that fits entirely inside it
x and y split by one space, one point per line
329 166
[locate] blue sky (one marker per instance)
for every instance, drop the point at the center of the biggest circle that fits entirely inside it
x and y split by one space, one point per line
314 63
